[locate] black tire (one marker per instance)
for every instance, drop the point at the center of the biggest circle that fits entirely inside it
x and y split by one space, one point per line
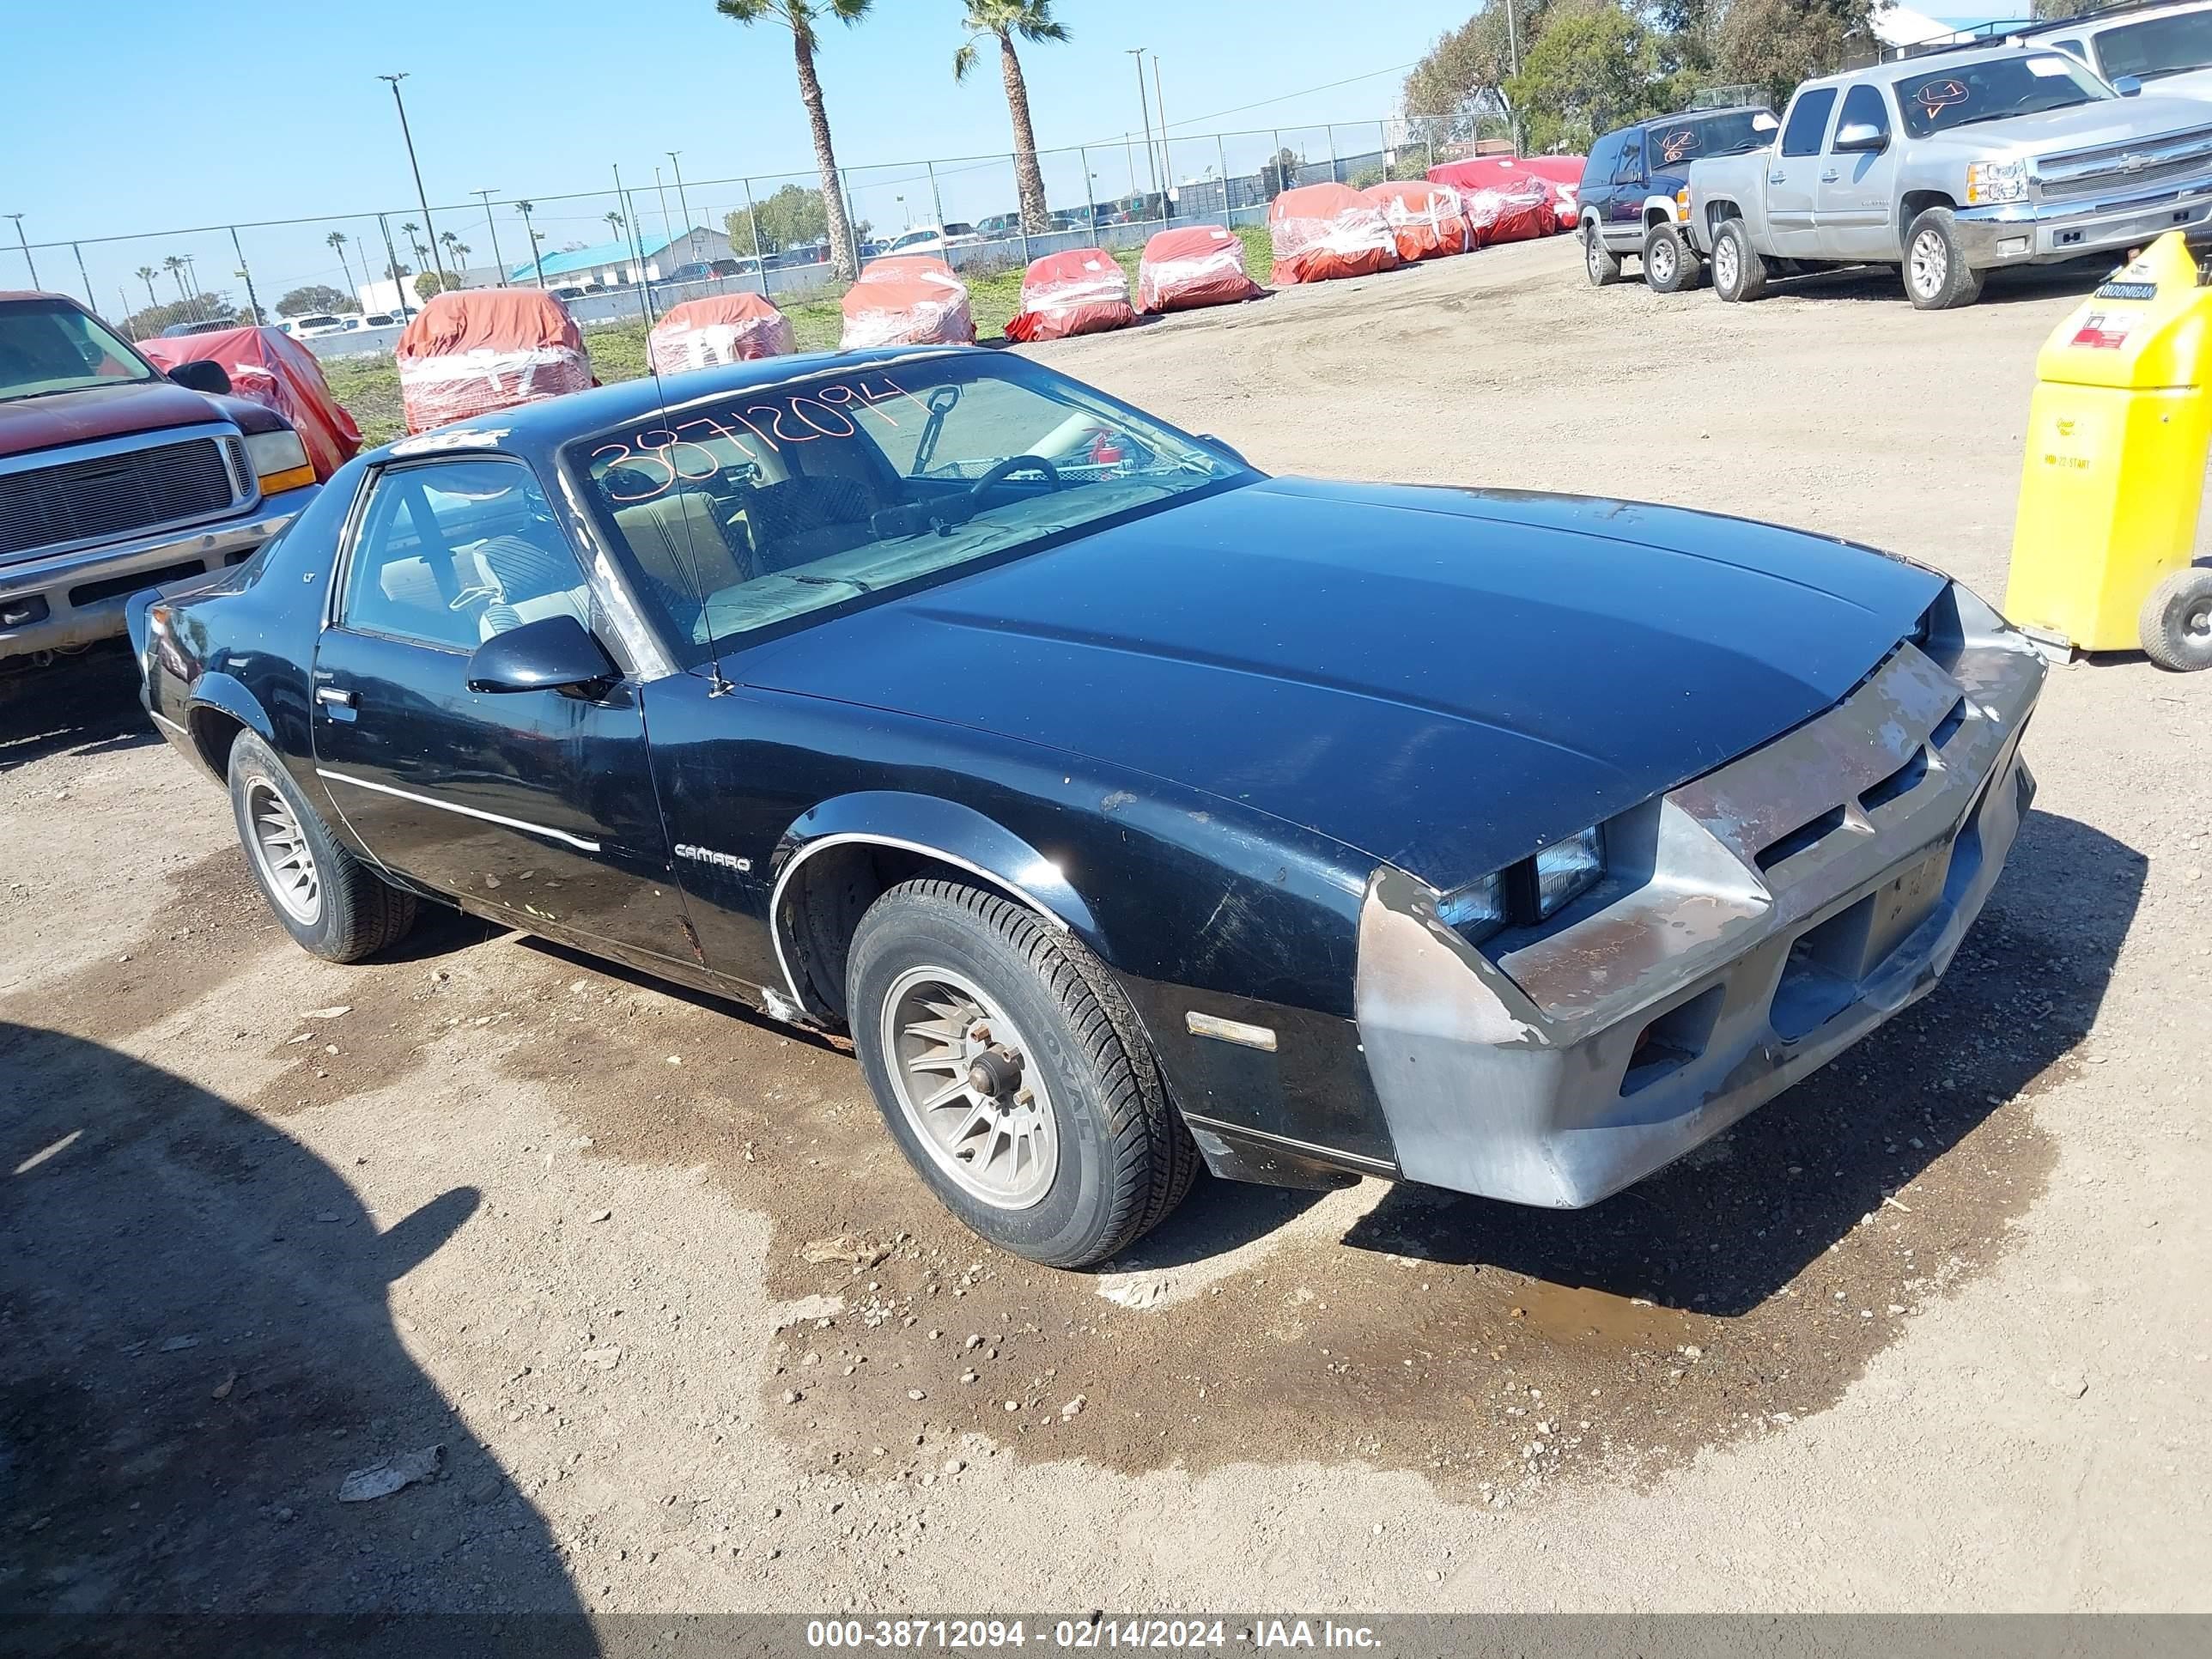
355 911
1671 265
2177 621
1599 263
1123 1159
1739 272
1937 274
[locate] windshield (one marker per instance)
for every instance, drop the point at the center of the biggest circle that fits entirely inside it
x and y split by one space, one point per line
741 511
1681 141
2156 46
1995 90
47 346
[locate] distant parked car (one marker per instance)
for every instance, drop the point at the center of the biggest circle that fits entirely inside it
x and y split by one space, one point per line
384 319
1634 196
2169 44
178 330
936 238
571 293
998 226
698 270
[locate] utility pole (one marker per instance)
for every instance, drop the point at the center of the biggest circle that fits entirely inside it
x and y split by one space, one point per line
1513 58
637 248
680 200
530 231
1160 109
27 259
391 269
661 191
81 277
253 300
1145 109
486 196
429 229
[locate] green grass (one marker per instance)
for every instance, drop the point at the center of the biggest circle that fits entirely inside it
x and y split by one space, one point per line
370 387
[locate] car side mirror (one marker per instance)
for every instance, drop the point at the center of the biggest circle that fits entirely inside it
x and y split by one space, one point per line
2127 86
557 653
1860 138
203 376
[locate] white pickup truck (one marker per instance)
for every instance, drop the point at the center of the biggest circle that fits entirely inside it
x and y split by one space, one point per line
1950 165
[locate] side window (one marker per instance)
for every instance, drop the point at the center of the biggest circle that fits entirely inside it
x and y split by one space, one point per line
1598 170
1630 168
1864 103
453 552
1808 122
2073 47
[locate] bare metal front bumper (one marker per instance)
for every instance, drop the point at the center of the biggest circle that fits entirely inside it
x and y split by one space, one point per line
1759 920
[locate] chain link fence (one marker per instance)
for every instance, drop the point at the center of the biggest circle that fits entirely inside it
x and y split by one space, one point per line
349 281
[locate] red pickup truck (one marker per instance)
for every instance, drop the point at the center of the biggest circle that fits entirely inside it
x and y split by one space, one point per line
115 477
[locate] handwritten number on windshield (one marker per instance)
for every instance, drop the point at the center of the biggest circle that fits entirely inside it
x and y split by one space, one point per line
655 459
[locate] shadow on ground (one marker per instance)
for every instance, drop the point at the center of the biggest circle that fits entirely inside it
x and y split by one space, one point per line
195 1352
85 705
1725 1229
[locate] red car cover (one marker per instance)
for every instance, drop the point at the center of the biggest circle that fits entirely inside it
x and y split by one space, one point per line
909 299
273 370
467 353
1505 202
1429 220
1561 175
723 328
1322 232
1201 265
1082 291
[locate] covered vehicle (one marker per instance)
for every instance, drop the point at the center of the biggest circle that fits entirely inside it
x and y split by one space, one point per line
271 368
468 352
1198 265
723 328
1127 807
1081 291
1505 202
1429 220
1324 231
906 298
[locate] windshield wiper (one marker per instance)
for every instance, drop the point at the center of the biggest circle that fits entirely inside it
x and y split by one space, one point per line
830 581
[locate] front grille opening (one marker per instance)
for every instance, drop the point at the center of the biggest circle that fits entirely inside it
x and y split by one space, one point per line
1672 1040
1821 976
116 586
1947 727
1803 839
1903 781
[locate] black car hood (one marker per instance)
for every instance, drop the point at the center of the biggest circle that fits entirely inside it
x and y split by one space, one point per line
1442 678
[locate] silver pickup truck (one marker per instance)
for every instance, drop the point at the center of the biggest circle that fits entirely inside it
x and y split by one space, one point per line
1950 165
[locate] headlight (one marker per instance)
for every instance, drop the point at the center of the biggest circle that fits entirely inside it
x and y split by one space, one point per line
1535 889
1997 181
279 459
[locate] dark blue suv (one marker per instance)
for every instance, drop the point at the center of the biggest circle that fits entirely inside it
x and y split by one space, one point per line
1635 190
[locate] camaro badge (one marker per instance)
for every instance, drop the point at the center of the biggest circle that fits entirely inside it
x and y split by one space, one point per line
708 855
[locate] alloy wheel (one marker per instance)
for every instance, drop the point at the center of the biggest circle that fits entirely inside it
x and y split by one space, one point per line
1662 260
281 853
1931 265
1724 265
969 1088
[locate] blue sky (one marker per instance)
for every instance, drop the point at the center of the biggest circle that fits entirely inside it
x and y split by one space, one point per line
128 116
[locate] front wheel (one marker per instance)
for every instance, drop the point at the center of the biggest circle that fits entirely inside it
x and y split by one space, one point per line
1012 1074
331 903
1937 274
2177 621
1599 263
1669 264
1739 272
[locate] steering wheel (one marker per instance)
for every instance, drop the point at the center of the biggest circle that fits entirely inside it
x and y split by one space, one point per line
1006 470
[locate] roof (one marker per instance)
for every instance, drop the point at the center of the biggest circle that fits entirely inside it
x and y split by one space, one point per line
593 258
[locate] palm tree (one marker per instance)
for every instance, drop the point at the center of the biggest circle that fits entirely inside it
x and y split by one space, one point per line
800 16
1002 19
615 221
458 251
175 267
146 274
336 240
413 233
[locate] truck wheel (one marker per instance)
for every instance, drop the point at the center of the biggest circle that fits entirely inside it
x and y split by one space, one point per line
1601 263
332 903
2177 621
1937 274
1670 264
1013 1074
1738 271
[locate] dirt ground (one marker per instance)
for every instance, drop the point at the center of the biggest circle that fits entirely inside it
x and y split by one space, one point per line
1928 1332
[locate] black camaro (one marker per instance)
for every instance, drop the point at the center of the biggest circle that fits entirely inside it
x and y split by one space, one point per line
1126 805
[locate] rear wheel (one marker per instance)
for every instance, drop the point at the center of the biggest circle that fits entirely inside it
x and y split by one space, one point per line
1670 264
1012 1074
1937 274
331 903
1599 263
1738 273
2177 621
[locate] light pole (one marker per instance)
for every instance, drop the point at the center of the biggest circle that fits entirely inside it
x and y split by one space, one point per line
680 201
1160 109
20 238
486 196
530 231
661 191
422 200
1145 109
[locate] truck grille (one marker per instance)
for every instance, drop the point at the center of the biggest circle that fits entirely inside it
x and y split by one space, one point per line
2118 169
118 494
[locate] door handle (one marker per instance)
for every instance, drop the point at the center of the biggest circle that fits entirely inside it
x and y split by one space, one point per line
1830 176
336 696
1777 178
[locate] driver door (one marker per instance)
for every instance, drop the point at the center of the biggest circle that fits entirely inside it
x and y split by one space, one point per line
1793 169
534 806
